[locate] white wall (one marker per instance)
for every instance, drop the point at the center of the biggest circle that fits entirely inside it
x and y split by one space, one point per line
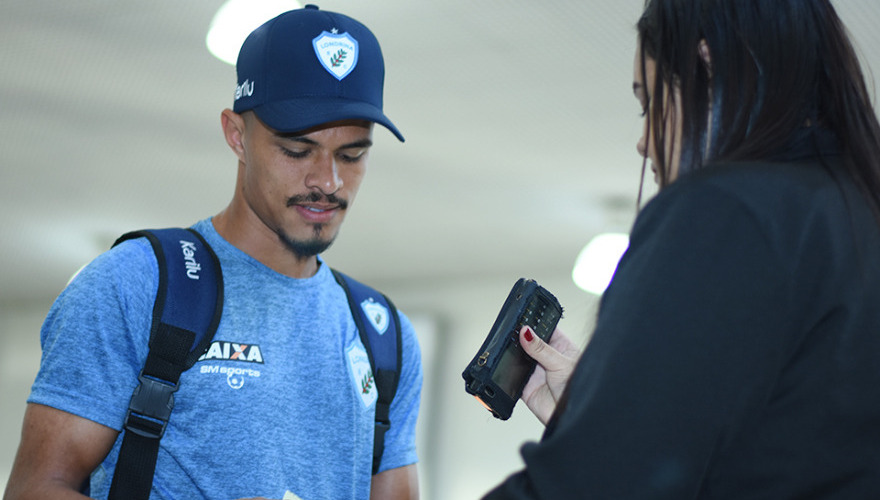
463 450
19 360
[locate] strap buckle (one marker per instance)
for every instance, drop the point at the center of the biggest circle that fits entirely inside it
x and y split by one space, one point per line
150 407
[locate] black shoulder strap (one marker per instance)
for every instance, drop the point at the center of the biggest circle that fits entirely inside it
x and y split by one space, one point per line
185 316
378 324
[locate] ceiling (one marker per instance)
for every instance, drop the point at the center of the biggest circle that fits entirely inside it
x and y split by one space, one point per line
519 119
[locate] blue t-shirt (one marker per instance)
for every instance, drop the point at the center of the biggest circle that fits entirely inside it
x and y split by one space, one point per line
276 405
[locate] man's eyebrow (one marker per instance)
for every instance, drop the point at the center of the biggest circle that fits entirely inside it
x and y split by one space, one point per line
297 138
362 143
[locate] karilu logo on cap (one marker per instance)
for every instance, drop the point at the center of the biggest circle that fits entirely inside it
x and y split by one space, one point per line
337 53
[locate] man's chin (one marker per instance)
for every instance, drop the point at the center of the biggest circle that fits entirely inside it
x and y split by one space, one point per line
306 248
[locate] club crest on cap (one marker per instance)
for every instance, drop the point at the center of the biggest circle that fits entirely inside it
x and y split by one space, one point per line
337 53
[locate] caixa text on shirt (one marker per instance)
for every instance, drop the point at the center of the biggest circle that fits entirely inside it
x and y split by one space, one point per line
232 351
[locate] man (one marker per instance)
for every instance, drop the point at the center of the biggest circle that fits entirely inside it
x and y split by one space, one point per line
274 408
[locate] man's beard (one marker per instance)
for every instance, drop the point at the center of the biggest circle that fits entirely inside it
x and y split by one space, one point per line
304 249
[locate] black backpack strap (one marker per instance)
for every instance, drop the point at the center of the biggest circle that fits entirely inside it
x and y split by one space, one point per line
185 316
378 324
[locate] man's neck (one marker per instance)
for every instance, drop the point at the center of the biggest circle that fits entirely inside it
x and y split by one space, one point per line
258 241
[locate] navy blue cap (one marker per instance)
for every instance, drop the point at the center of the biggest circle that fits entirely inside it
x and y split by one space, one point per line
307 67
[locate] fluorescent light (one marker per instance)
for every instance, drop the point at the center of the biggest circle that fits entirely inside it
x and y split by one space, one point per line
596 263
235 20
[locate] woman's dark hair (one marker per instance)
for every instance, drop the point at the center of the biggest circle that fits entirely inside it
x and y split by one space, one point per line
778 68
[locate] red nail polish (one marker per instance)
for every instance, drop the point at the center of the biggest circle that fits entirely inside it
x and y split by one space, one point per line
528 335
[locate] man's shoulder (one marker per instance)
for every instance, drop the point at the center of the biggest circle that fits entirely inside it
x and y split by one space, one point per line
129 258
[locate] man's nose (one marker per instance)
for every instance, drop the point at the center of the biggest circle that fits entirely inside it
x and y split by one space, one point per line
324 175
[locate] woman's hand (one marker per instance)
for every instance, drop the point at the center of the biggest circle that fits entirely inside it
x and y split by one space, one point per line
556 361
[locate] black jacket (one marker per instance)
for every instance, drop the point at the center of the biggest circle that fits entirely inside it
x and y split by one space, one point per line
736 352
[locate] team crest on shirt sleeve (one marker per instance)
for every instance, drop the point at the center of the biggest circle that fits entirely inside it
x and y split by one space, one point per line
362 375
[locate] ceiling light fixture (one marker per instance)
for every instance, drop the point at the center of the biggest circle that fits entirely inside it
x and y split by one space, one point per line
235 20
596 263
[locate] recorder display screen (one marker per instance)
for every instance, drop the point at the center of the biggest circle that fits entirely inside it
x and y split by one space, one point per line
513 367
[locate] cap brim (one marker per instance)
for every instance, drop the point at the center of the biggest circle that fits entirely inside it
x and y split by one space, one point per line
303 114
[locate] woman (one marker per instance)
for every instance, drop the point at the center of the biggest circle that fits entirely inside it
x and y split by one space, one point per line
737 350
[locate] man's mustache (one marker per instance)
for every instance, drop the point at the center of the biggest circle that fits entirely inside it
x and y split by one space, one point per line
314 197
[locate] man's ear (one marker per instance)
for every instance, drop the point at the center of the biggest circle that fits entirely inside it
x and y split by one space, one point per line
233 130
705 55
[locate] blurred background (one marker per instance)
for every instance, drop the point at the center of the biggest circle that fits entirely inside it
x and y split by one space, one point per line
521 130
